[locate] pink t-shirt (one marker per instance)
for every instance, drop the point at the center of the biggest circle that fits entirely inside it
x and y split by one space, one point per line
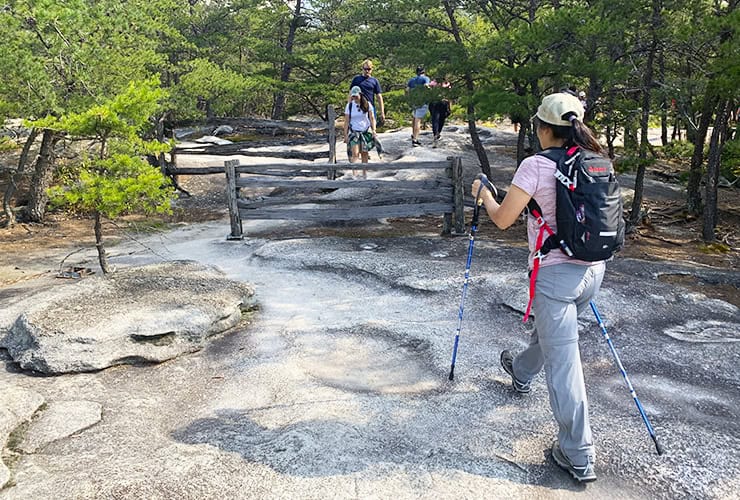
536 177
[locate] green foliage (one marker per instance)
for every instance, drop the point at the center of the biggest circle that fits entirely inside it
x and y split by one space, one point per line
225 90
61 57
418 97
678 150
631 163
117 181
116 186
7 144
716 248
731 160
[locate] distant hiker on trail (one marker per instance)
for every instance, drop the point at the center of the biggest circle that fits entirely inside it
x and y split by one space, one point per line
419 109
359 127
370 87
439 108
564 286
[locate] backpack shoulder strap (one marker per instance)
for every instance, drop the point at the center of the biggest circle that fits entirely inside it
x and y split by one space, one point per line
554 154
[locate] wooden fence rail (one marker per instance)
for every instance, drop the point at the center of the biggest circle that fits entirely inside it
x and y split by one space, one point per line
304 197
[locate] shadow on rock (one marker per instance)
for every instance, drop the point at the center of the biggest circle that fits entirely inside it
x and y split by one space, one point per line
322 448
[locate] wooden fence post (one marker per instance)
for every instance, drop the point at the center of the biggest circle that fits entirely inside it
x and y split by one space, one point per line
231 196
331 118
457 183
447 217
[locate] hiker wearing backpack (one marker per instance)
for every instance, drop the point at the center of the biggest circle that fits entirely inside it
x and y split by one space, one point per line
561 285
359 128
419 110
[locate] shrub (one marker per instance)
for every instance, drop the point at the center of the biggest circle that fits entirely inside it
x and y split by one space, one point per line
731 160
678 150
630 163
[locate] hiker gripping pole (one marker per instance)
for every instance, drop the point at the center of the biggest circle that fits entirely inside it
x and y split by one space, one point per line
650 430
473 228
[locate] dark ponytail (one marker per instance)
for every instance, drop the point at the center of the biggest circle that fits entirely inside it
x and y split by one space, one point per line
579 134
364 104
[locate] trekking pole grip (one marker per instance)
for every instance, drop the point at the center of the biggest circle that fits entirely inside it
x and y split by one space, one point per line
484 181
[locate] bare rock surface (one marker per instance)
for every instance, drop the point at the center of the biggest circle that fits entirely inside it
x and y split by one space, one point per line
60 419
136 315
338 387
17 406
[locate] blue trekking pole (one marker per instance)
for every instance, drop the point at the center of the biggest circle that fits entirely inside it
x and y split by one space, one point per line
473 228
658 448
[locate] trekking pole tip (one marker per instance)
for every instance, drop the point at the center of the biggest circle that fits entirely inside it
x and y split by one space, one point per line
658 447
452 373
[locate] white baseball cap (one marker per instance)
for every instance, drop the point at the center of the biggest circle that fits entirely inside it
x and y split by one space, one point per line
355 91
555 106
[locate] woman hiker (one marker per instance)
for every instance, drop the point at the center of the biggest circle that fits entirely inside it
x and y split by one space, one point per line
564 287
359 127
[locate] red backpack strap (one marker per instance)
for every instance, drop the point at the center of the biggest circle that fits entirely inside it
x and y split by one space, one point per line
542 247
538 256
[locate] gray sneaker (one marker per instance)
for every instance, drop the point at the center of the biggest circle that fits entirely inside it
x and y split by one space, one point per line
581 473
507 363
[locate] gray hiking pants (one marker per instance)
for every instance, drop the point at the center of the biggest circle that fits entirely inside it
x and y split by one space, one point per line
562 292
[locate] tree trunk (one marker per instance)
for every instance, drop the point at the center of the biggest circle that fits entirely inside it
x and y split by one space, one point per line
470 86
676 133
42 177
521 136
630 136
663 101
102 255
610 140
716 143
278 106
647 83
693 188
15 177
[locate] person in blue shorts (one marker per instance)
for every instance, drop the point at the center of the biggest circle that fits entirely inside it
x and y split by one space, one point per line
419 82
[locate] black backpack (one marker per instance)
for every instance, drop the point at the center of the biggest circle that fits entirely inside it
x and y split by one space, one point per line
588 206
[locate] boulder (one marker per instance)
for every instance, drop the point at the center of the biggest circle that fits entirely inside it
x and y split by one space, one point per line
223 129
138 315
211 139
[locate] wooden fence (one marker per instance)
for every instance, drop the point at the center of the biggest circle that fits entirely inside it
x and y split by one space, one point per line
299 190
304 189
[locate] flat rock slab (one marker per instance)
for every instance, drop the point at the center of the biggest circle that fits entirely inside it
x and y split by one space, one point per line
60 419
17 405
138 315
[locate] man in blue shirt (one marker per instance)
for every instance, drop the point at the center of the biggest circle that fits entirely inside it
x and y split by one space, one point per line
370 87
419 82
